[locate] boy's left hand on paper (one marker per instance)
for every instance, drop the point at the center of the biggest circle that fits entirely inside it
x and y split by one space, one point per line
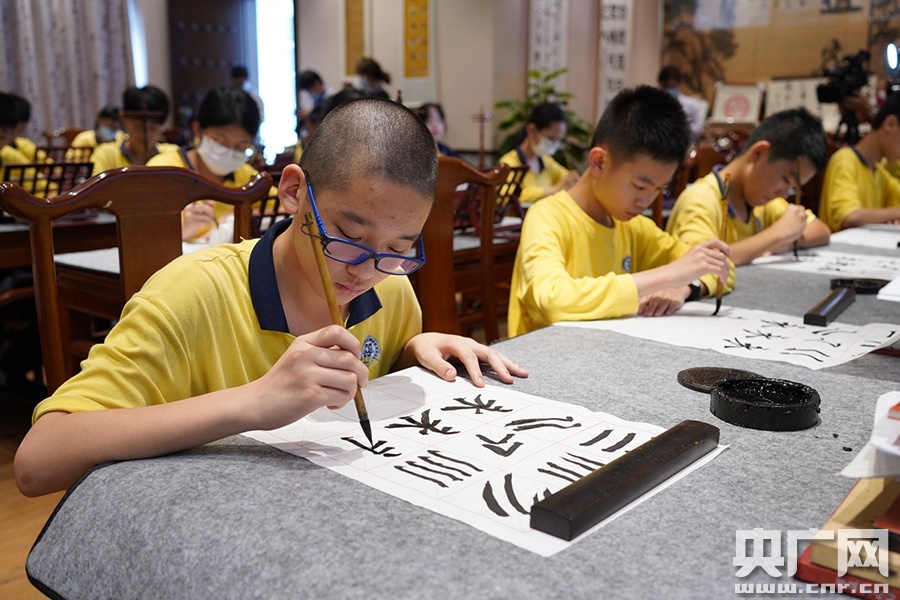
433 350
662 303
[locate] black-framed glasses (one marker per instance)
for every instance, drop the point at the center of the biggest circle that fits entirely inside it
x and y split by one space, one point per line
352 253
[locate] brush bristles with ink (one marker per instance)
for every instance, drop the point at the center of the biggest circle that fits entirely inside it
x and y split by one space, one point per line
723 232
358 400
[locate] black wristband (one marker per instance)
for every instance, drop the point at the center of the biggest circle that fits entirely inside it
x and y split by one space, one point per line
695 291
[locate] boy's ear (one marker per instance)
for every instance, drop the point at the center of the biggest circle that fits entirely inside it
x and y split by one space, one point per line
598 160
292 188
759 149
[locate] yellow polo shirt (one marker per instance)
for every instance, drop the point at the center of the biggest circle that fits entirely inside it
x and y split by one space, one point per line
224 329
850 185
533 184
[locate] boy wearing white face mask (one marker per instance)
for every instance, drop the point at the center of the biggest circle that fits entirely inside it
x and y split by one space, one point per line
226 124
540 140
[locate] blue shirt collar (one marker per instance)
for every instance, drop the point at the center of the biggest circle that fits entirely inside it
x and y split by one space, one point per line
524 161
264 287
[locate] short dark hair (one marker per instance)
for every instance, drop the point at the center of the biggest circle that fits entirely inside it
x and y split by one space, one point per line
791 134
239 71
424 108
546 114
342 97
109 111
8 111
23 108
149 100
644 120
669 73
228 105
308 78
890 107
372 138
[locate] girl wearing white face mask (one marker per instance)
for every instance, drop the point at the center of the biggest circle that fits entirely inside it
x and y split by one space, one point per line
540 140
226 124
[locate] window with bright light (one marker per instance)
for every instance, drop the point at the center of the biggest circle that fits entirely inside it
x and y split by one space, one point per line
277 74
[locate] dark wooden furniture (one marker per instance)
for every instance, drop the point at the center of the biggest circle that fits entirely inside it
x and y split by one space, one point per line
48 179
468 213
147 204
270 210
447 274
69 235
59 154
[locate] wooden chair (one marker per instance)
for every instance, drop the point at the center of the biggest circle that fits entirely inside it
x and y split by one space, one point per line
62 136
147 204
468 215
269 211
698 163
435 283
48 179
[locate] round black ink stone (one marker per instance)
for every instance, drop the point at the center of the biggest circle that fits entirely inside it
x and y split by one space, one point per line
770 404
702 379
861 286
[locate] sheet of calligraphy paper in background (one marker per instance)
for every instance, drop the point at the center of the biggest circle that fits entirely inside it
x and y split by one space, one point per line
835 264
481 456
882 236
754 334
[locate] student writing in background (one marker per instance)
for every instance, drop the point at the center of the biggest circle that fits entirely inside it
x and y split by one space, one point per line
759 219
107 128
19 142
226 123
858 189
8 123
144 112
588 253
249 343
540 139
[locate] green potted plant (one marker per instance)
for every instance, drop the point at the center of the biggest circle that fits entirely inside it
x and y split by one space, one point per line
542 88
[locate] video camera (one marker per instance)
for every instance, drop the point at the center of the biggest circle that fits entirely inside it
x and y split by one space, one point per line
845 80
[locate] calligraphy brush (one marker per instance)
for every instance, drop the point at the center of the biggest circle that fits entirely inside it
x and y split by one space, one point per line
797 198
336 318
726 191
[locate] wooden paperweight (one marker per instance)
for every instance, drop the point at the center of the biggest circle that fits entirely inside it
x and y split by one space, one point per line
580 505
828 309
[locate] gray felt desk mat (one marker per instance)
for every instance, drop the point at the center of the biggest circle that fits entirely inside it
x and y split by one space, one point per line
238 519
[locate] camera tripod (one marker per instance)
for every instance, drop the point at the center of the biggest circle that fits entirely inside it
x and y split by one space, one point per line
848 118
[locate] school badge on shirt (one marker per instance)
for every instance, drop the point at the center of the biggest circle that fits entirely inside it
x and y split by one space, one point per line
626 264
371 351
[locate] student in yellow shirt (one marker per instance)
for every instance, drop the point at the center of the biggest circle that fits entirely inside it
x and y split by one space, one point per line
760 220
858 189
144 111
249 343
588 253
226 124
107 128
8 122
541 137
21 143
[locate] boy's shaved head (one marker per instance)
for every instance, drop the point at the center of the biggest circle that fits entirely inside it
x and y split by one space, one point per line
372 138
